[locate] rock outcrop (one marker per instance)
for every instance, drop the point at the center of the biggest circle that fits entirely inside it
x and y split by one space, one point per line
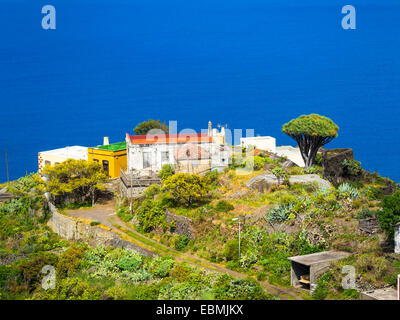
264 181
183 225
332 163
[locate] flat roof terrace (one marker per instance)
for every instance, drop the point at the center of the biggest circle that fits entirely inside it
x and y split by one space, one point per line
319 257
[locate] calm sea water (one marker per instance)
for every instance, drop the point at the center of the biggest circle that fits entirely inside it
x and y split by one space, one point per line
249 64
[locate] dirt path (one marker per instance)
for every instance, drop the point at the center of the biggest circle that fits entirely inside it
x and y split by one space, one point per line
106 215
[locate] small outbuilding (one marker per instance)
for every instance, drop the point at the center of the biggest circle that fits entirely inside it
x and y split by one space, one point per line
306 269
397 238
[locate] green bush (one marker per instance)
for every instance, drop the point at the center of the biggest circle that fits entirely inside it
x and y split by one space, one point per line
227 288
351 167
211 177
390 214
165 266
69 261
373 193
150 215
313 170
166 171
254 162
322 289
181 242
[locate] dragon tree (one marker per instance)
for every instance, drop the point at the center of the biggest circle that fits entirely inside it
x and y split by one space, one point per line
311 132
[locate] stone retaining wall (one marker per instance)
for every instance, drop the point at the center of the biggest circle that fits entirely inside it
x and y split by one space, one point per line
76 230
183 225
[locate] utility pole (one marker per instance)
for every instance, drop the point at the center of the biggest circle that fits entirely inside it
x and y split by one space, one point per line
8 175
238 219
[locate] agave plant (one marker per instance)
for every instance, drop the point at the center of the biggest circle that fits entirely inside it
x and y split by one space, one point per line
280 213
346 190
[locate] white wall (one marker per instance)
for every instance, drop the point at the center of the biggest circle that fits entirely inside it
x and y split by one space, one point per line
135 155
262 143
292 153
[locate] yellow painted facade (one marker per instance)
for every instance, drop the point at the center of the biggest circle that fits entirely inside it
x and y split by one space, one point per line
111 157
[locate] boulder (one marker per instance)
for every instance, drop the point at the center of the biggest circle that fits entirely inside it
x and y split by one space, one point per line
332 163
269 179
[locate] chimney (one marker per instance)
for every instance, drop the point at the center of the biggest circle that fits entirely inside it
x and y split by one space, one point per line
209 129
106 141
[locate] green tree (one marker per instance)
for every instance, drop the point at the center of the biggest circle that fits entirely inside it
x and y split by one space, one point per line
150 214
78 178
311 132
186 188
144 127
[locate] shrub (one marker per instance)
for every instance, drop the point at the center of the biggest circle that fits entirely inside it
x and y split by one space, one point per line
181 242
152 191
227 288
130 263
390 213
322 290
150 214
231 249
365 213
224 206
313 170
351 167
163 269
30 269
254 162
373 193
211 177
166 171
280 174
69 261
94 223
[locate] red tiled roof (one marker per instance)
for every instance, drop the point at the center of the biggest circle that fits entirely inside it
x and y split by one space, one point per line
170 138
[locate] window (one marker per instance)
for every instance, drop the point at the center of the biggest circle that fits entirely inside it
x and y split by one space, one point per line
106 166
195 163
96 160
164 156
146 159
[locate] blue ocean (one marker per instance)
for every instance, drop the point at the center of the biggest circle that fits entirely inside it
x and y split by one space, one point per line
250 64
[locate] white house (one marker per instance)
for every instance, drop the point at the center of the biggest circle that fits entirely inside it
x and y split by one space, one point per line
56 156
187 152
265 143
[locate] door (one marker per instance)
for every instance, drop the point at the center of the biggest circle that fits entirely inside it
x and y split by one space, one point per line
146 159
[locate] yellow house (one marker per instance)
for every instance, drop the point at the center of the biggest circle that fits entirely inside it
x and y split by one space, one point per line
111 156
